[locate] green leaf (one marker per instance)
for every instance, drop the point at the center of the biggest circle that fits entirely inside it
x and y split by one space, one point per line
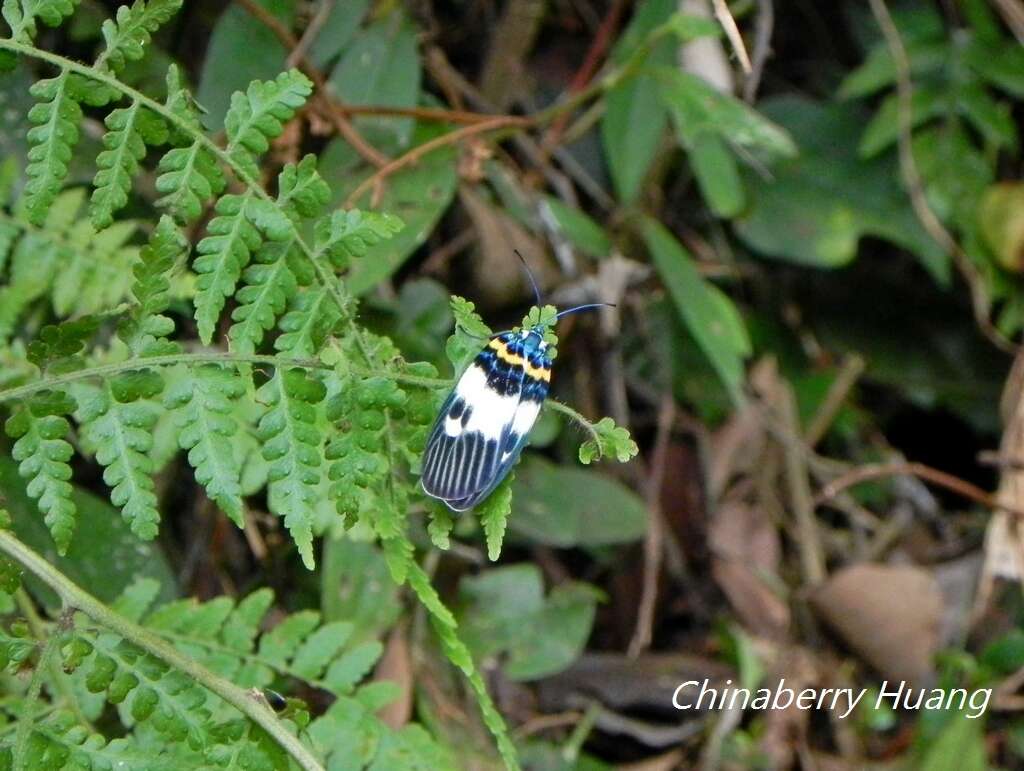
709 314
960 746
493 513
311 316
222 254
58 345
878 70
118 428
470 333
572 507
634 117
57 116
204 401
241 49
21 15
301 188
127 36
817 207
609 441
129 130
381 65
189 177
151 289
355 586
926 103
419 195
258 115
341 24
581 231
1001 64
505 611
293 447
344 235
266 286
43 453
717 175
698 108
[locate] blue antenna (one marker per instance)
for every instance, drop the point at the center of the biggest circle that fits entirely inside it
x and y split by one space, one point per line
586 307
533 283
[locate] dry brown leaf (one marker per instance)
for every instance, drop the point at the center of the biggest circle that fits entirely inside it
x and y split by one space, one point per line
746 550
498 274
396 665
890 615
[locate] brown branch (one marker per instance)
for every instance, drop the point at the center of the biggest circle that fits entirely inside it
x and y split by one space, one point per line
416 153
1012 12
941 478
341 123
598 48
762 47
733 33
915 187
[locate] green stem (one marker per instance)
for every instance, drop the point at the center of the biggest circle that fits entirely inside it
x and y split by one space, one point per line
35 686
57 680
74 596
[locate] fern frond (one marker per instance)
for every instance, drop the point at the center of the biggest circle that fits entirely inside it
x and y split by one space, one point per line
189 177
129 130
127 36
146 325
203 401
347 234
268 283
301 189
21 15
309 320
119 427
258 114
292 446
60 741
148 688
43 453
57 116
96 273
222 256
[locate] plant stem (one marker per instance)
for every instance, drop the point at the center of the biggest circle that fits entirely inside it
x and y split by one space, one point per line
76 597
35 686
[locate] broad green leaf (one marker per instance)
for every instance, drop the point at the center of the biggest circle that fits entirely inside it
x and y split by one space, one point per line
816 207
708 312
241 49
960 746
356 587
698 108
1001 220
381 66
566 507
505 611
717 175
634 118
336 33
581 231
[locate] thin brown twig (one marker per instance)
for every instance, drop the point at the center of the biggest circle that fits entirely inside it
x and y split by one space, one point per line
733 33
915 187
653 549
872 471
762 47
341 123
591 61
311 32
812 555
416 153
1012 12
849 373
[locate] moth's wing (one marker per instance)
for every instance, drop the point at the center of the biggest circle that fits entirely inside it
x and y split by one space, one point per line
512 445
464 446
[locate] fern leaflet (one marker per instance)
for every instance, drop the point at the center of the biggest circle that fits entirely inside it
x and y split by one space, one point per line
130 129
146 328
222 256
203 402
268 283
43 454
119 427
21 15
56 116
127 36
258 114
292 445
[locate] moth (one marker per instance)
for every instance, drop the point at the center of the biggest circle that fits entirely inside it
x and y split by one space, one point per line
484 423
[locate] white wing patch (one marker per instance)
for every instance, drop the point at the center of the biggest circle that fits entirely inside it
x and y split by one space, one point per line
490 411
